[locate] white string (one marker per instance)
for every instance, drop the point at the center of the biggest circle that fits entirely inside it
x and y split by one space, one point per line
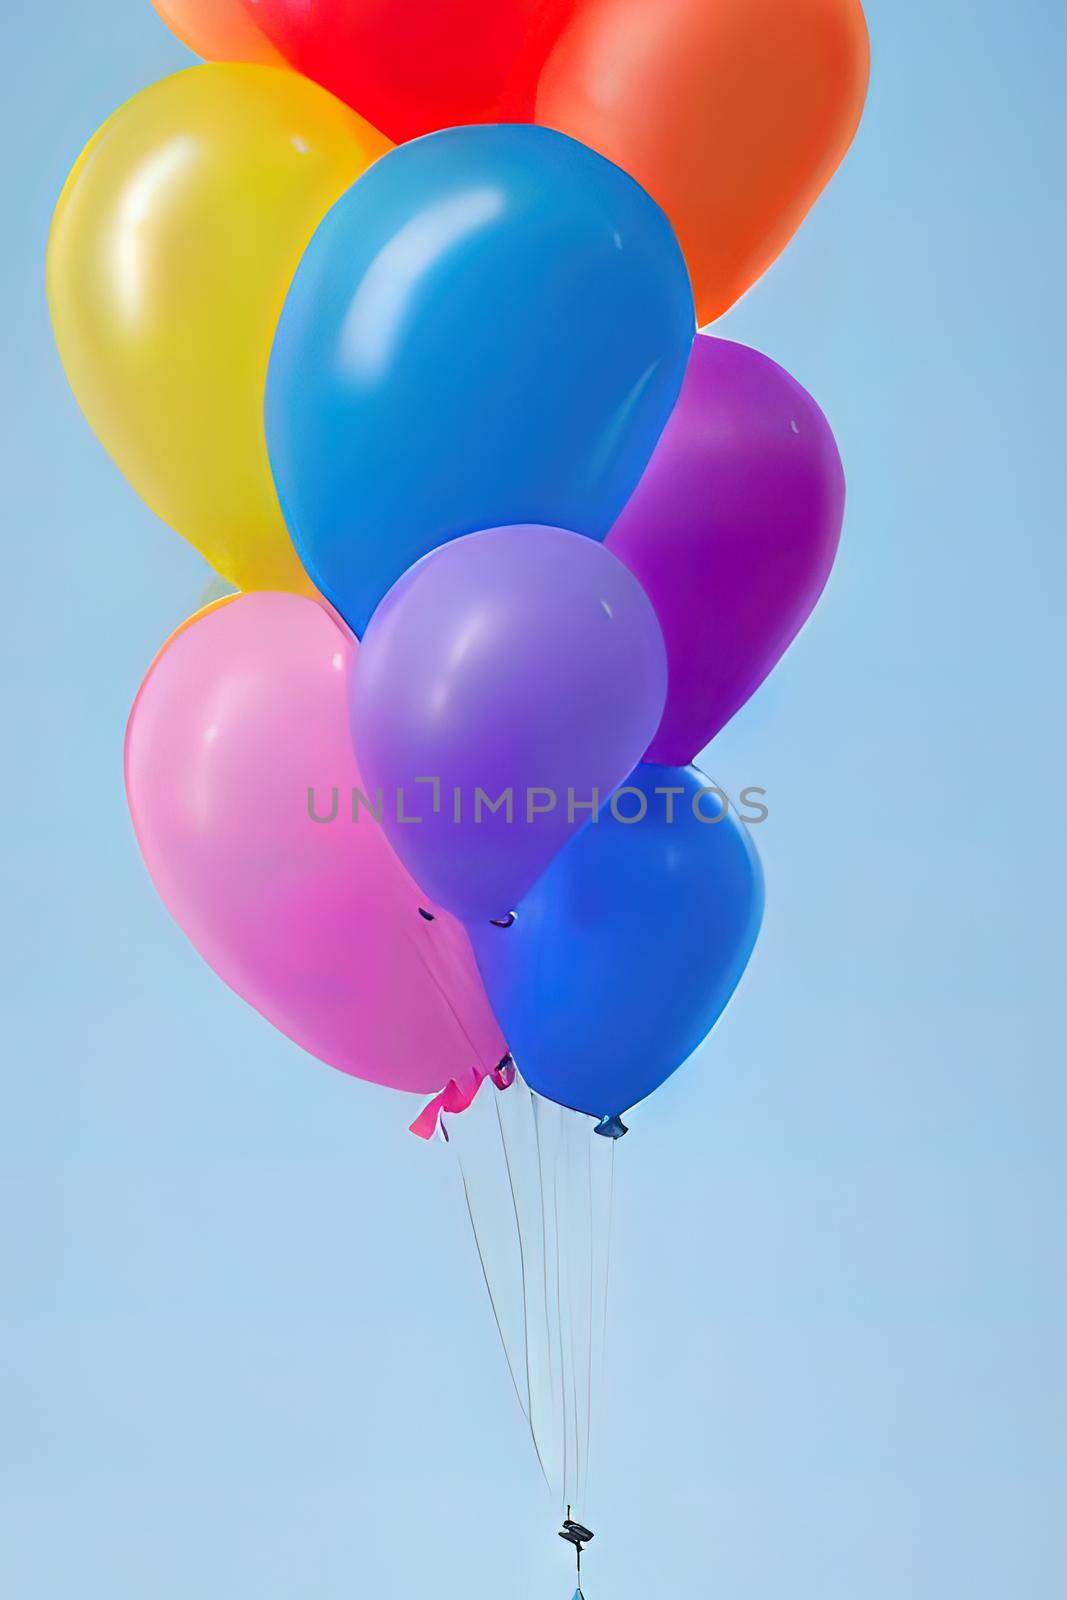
539 1188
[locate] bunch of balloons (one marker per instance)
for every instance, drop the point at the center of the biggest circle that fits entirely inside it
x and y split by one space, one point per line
391 310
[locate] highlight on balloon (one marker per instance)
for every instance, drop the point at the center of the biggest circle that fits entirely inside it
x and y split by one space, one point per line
398 313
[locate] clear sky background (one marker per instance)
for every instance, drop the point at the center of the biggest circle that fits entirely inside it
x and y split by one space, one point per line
244 1349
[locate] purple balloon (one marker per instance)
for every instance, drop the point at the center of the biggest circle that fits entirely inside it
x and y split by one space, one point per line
732 531
520 662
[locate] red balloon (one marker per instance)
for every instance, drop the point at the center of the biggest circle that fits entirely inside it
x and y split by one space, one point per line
411 66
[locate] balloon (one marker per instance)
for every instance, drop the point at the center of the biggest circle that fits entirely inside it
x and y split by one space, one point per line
625 953
411 66
237 752
221 30
732 531
491 327
734 114
519 662
172 248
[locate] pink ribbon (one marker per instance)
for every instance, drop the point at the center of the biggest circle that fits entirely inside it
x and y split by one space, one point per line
458 1095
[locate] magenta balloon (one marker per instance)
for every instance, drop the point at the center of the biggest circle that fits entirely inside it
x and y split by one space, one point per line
732 530
519 662
315 923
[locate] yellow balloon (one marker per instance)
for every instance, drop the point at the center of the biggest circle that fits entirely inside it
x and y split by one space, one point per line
172 248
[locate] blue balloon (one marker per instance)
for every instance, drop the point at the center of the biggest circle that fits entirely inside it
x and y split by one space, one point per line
490 328
623 956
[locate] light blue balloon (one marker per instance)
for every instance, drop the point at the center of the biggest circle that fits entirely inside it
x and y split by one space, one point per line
490 328
625 953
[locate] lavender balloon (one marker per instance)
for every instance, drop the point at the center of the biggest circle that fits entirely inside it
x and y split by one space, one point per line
506 683
732 530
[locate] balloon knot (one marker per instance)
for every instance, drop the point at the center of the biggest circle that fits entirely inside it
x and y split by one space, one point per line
504 1073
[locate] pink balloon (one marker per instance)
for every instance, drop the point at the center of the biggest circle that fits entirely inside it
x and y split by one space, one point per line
315 923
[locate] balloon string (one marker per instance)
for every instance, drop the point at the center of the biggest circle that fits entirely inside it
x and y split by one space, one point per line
535 1109
525 1295
559 1310
571 1311
592 1292
535 1104
489 1286
607 1263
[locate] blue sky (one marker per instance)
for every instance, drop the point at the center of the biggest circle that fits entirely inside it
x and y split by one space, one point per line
243 1342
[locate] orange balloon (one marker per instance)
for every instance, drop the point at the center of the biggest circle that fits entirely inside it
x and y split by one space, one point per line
218 30
733 114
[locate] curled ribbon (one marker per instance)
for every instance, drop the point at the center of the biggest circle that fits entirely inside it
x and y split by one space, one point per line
458 1095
